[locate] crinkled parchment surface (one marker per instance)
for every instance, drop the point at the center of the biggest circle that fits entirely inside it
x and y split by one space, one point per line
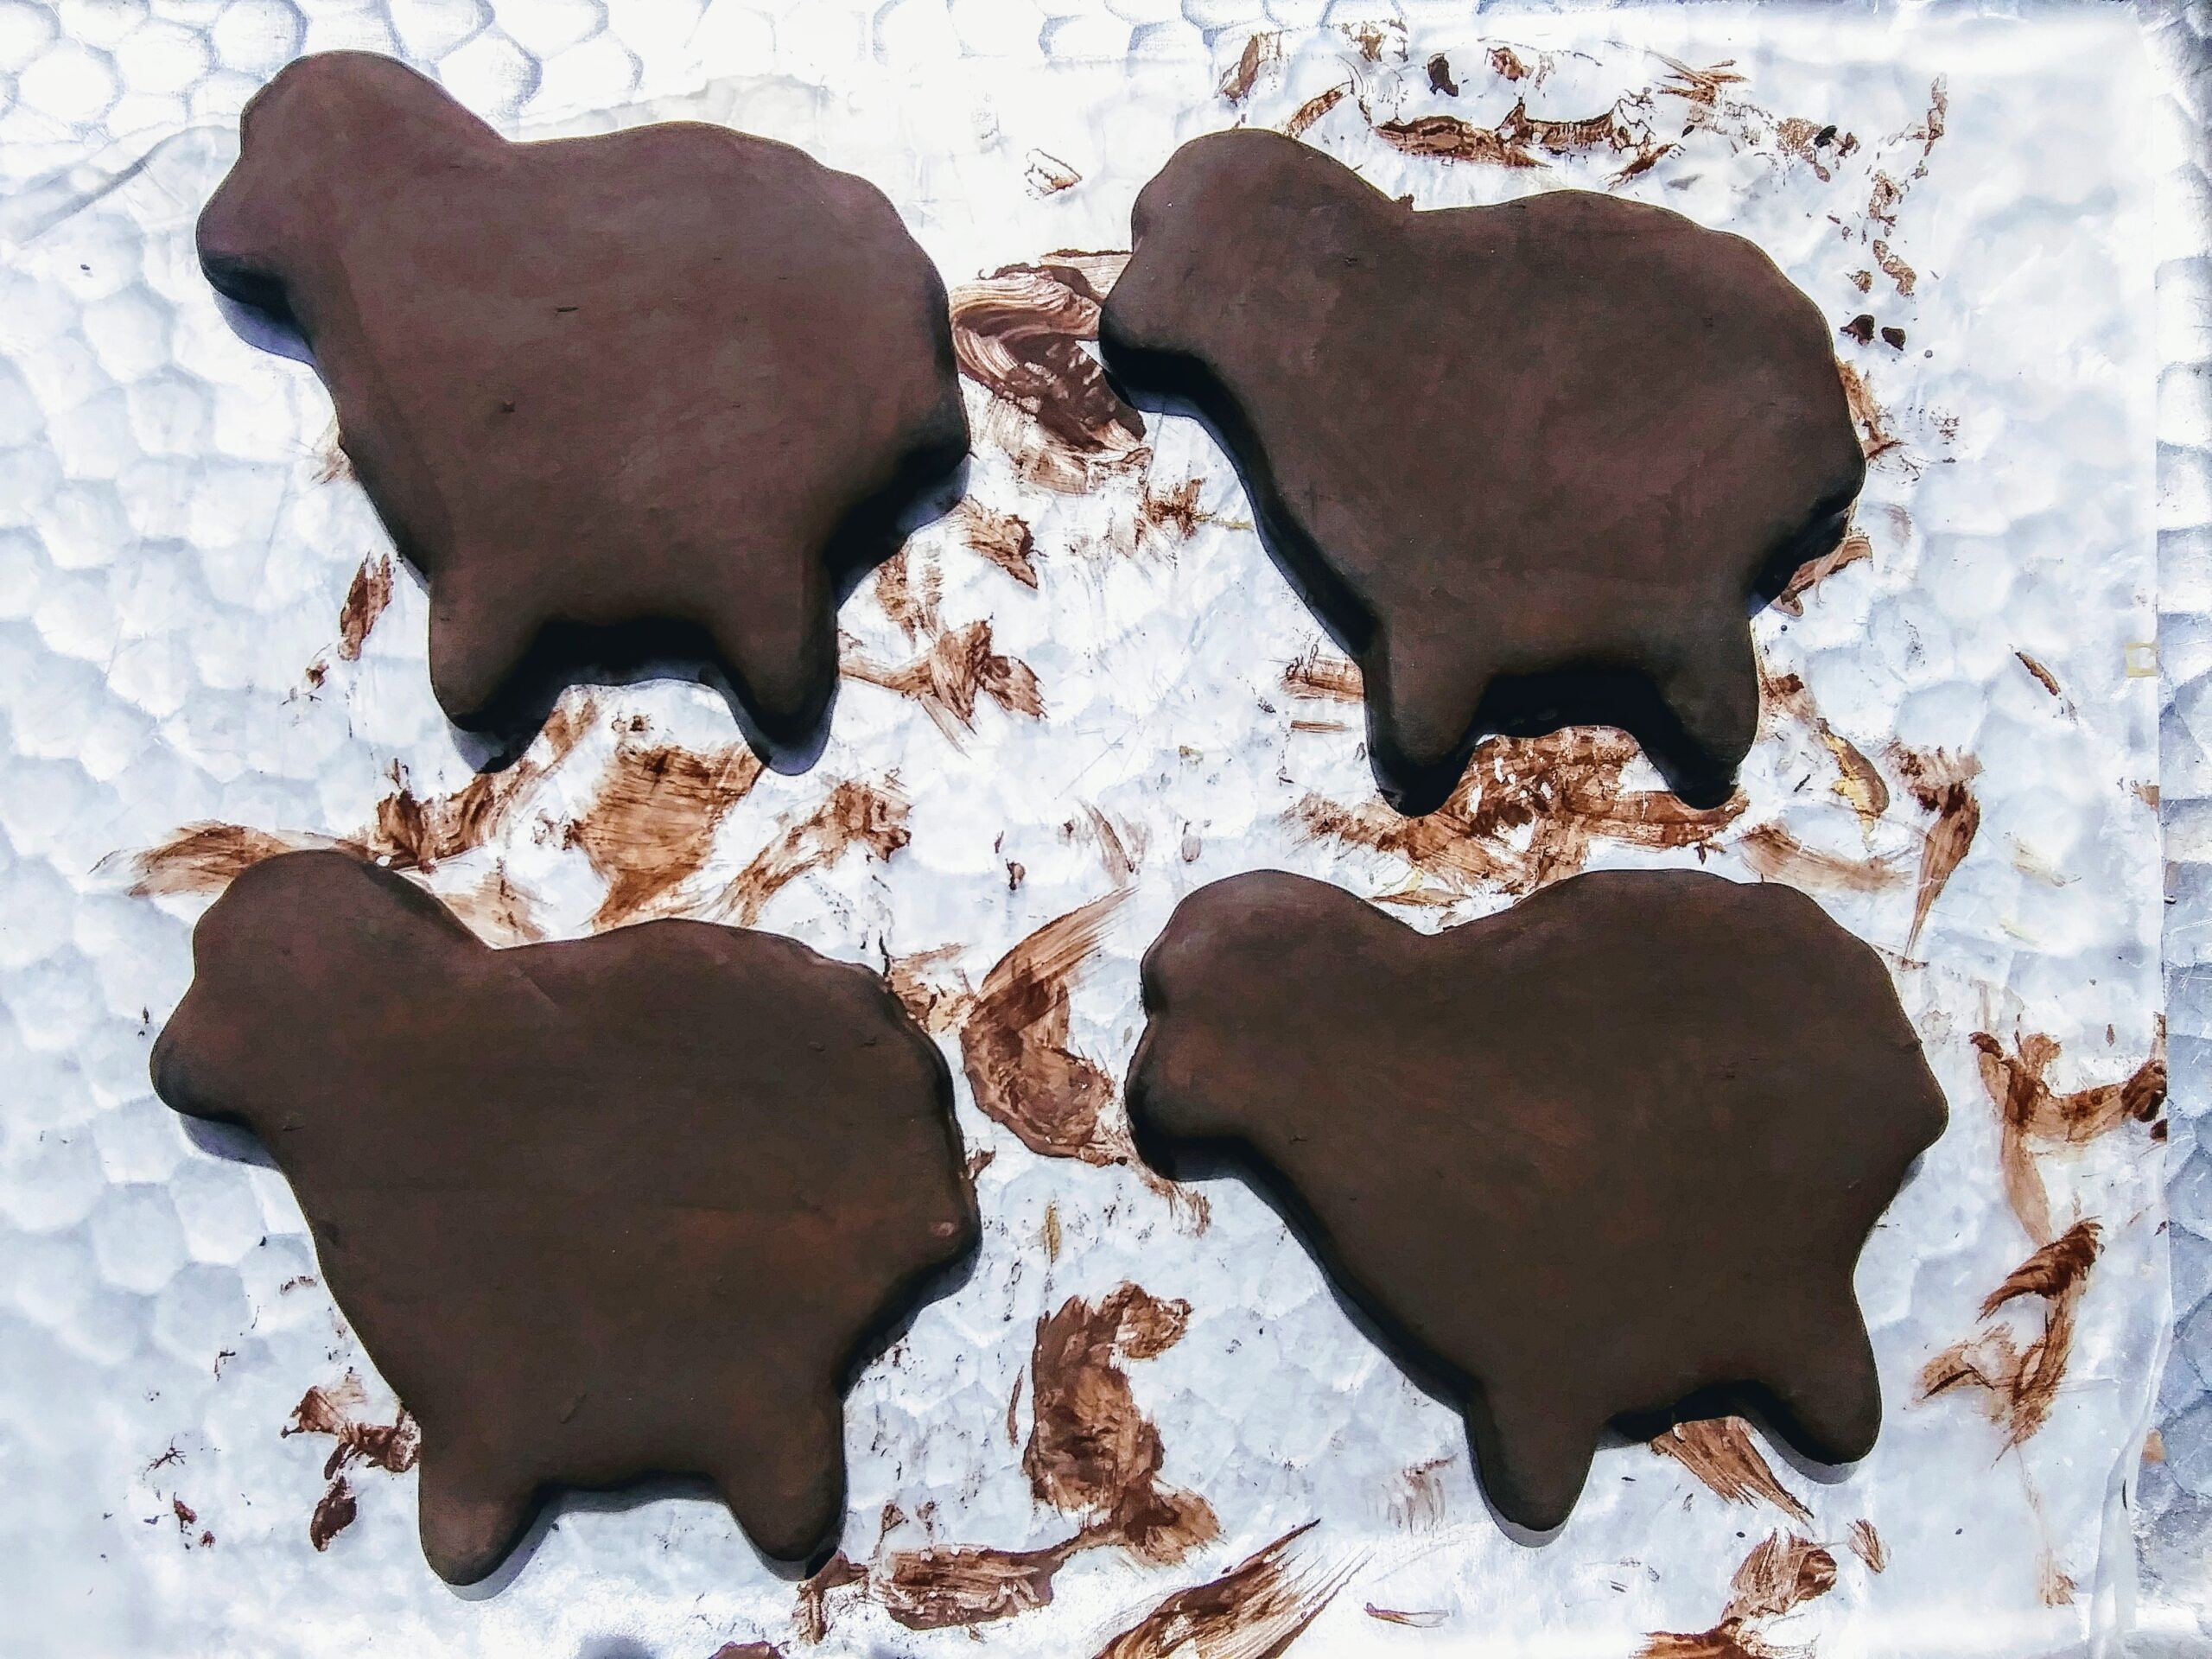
1092 682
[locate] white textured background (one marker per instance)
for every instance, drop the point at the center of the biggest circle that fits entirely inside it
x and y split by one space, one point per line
171 565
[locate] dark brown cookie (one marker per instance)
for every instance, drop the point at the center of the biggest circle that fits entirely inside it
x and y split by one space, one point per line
1533 465
617 1206
661 395
1611 1153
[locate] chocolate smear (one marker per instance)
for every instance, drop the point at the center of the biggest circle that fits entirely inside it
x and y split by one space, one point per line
651 825
208 857
855 814
1313 109
1374 38
1666 1228
393 1447
779 1185
811 1609
1018 334
2057 1269
911 605
1528 566
1439 76
1866 1544
1857 781
1525 815
1941 784
1875 437
1261 51
1855 546
939 1588
1254 1611
1091 1451
1720 1452
1417 1619
1319 673
1507 64
659 395
1004 539
1446 137
1014 1043
497 909
1782 1572
947 679
365 598
1774 854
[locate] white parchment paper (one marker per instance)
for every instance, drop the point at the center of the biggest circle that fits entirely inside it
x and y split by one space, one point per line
174 562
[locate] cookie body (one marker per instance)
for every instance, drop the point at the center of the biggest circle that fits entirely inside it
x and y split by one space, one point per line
660 394
1608 1154
600 1209
1533 465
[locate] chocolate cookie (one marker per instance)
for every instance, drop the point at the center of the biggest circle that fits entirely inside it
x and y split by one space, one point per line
1532 465
1612 1152
632 1205
658 395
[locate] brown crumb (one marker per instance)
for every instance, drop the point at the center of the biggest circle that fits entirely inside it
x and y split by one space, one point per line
1439 76
1894 269
1507 64
2043 676
1860 328
333 1514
